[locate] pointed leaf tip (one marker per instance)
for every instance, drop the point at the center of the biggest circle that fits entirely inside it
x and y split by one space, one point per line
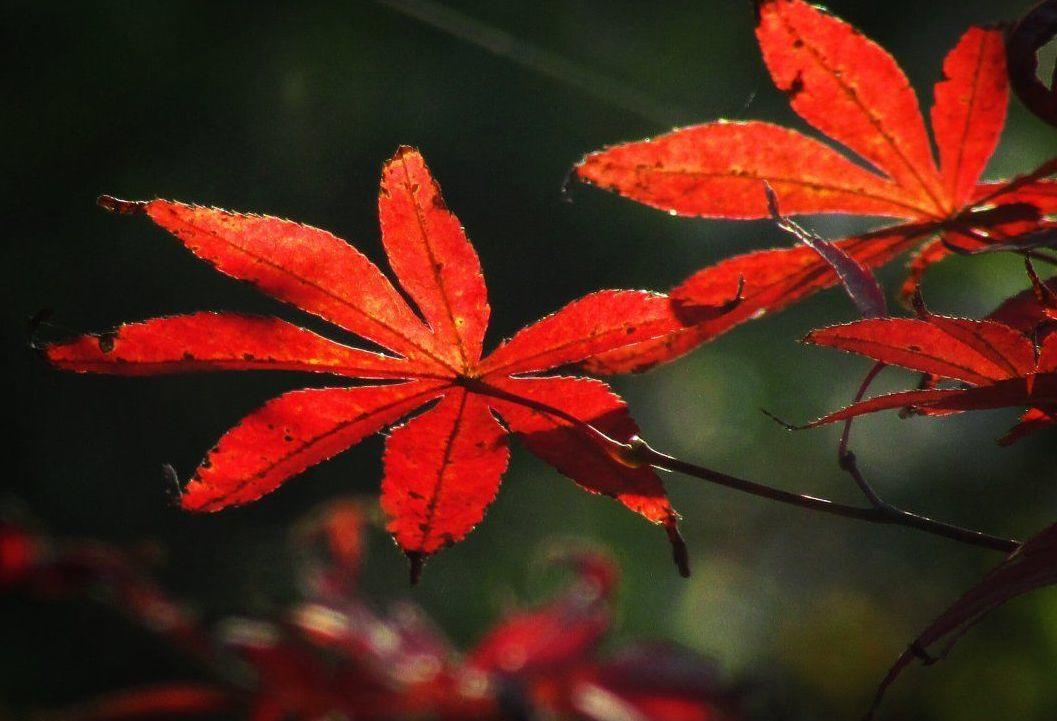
680 554
416 561
117 205
33 324
404 150
172 483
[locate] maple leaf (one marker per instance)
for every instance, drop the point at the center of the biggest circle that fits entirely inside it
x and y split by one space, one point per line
335 654
443 466
559 635
1030 567
851 90
1033 311
1002 366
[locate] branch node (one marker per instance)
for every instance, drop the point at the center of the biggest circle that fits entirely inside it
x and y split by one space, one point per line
636 453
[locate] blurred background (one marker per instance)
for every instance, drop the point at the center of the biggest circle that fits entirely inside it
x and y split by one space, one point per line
291 110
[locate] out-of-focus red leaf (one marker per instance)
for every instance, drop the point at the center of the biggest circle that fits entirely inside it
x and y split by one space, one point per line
849 88
20 552
1032 566
653 682
160 701
443 467
331 547
339 657
557 636
35 563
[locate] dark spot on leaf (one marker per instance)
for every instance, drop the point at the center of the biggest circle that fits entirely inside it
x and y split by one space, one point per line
107 340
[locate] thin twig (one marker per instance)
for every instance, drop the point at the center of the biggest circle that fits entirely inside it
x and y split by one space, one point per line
846 459
1041 255
886 514
637 453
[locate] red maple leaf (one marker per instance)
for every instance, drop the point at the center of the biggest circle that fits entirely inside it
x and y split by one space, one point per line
1001 365
1030 567
1033 311
442 467
852 91
333 653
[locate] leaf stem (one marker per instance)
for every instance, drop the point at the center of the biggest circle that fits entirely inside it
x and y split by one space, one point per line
883 514
637 453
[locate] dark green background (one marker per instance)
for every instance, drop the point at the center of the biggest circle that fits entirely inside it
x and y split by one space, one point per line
291 110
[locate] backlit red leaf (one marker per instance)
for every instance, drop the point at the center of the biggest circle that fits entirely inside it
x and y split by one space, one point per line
443 467
852 90
302 265
1030 567
575 453
970 110
1033 311
293 432
591 326
217 341
1034 419
771 280
1003 365
1017 392
433 259
718 170
972 351
1040 193
442 470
